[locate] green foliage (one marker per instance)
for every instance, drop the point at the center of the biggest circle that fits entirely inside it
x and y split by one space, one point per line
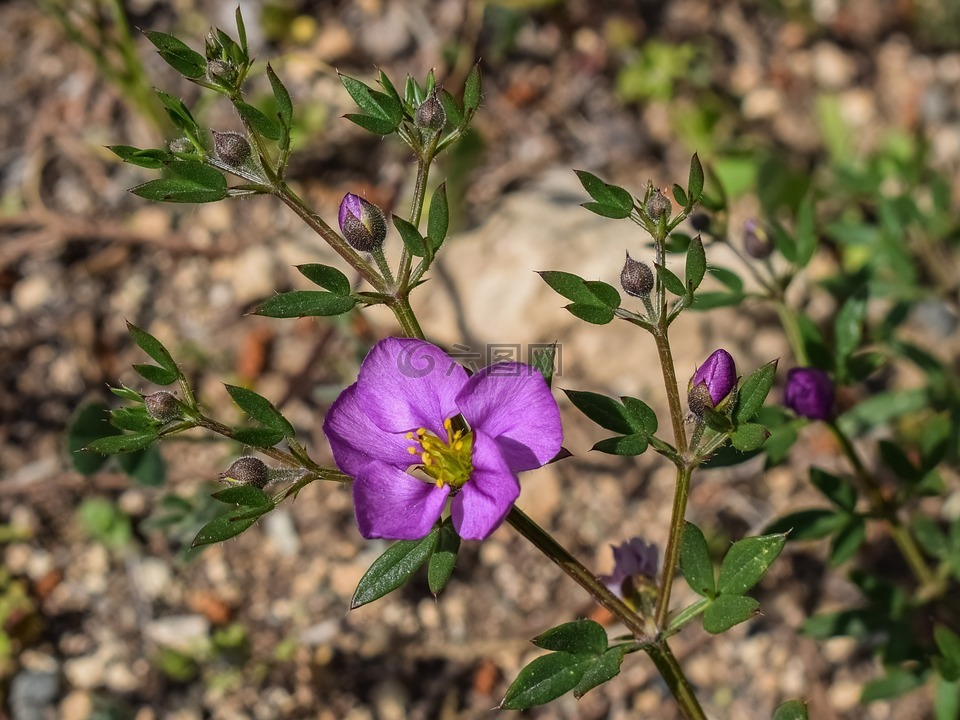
608 200
593 301
394 568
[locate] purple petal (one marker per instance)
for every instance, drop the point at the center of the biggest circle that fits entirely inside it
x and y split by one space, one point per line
718 373
487 497
512 403
391 504
406 384
355 440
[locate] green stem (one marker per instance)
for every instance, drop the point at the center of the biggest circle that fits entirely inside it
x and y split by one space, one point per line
424 162
886 510
406 317
791 328
679 686
383 265
671 554
332 238
670 385
544 542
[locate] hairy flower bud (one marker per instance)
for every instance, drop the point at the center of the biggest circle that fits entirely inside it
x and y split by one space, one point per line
658 205
222 72
362 223
249 471
636 278
699 399
809 393
756 242
231 147
718 375
181 145
163 406
634 573
430 115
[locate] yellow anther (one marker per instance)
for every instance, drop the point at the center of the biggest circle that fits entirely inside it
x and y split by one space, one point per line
458 445
447 424
409 436
427 460
412 450
439 482
421 432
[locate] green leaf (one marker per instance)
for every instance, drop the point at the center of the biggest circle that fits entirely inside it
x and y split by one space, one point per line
582 292
282 98
630 445
792 710
749 436
611 201
694 182
444 558
897 460
670 281
369 123
695 561
244 495
948 642
711 300
542 360
326 277
753 391
451 109
896 683
89 423
377 105
133 419
881 408
178 55
304 303
810 524
727 278
595 314
602 670
115 444
746 562
545 679
156 375
946 700
394 568
930 537
605 412
439 218
127 394
179 114
224 527
258 121
696 265
242 34
641 414
579 636
846 542
840 492
680 196
472 90
152 347
848 328
261 437
806 237
412 239
145 466
260 409
725 611
199 188
150 159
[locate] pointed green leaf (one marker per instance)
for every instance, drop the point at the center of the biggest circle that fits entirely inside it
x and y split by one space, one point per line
753 391
150 159
242 33
394 568
244 495
89 423
260 409
127 394
543 361
696 265
378 126
792 710
948 642
388 86
156 375
641 414
439 218
582 292
725 611
670 281
630 445
694 182
749 436
115 444
178 55
602 670
605 412
595 314
811 524
611 201
444 557
695 561
282 98
304 303
152 347
376 104
579 636
545 679
806 237
897 682
680 196
846 542
223 528
326 277
451 109
413 241
848 328
258 121
746 562
133 419
261 437
840 492
472 90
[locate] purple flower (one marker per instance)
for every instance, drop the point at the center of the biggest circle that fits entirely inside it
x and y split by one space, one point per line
718 373
415 429
362 223
634 559
809 393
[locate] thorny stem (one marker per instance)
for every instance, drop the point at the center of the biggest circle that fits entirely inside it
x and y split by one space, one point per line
886 510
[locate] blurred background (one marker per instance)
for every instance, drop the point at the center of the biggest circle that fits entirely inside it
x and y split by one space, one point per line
106 613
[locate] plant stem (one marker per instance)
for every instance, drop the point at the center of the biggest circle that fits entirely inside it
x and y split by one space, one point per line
424 162
671 554
679 686
886 510
670 385
405 316
788 320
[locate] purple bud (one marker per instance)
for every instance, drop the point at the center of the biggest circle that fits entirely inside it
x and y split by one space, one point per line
633 561
249 471
718 373
809 393
636 278
362 223
755 241
231 147
430 115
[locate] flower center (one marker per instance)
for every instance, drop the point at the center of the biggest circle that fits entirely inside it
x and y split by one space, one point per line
447 462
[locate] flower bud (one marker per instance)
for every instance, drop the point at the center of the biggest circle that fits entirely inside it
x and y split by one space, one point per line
756 242
231 147
362 223
636 278
718 374
222 72
809 393
658 205
634 573
430 115
699 399
248 471
163 406
181 145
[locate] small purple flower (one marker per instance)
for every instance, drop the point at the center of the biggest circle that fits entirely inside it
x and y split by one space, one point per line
718 373
362 223
415 429
809 393
634 559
